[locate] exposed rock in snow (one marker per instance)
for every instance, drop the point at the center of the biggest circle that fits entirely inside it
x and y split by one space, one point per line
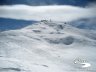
50 47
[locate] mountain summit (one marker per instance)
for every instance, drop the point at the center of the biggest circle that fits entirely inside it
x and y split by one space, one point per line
47 46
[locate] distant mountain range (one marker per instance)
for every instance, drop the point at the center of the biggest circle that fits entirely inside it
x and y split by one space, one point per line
89 23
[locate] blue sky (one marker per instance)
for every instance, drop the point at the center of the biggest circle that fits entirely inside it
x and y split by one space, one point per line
11 24
47 2
20 13
57 10
54 12
64 10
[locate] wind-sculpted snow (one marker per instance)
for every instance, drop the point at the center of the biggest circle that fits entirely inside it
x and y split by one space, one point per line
67 40
50 47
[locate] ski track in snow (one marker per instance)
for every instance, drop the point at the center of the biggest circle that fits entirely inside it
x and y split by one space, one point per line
47 47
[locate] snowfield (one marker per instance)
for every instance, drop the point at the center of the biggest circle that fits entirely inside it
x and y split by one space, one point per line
48 47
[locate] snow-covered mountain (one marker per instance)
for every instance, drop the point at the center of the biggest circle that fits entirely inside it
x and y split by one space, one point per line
47 47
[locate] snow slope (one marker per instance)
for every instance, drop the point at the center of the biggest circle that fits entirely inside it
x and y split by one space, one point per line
47 47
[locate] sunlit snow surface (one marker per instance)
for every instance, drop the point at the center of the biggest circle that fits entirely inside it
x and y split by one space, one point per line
47 47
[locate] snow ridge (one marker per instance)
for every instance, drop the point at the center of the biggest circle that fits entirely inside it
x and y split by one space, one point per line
46 47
